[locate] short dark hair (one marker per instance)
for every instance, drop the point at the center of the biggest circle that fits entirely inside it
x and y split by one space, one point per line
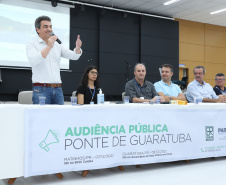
39 19
84 80
169 66
219 74
139 64
199 67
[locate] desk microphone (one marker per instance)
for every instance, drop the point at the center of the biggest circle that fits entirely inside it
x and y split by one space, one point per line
57 38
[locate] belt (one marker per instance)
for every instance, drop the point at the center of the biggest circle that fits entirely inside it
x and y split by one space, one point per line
46 85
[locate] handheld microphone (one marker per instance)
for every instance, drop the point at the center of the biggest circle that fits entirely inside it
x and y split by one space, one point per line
57 38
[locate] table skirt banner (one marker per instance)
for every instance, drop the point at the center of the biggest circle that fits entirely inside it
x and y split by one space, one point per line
84 139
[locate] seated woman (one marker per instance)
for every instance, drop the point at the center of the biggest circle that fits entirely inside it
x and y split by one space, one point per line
88 90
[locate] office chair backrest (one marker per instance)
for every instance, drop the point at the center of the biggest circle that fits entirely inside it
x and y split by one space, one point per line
25 97
123 94
185 80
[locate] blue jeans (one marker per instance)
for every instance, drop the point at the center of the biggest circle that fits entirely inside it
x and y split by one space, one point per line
53 95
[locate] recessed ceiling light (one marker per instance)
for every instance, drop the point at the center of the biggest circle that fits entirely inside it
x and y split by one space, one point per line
218 11
170 2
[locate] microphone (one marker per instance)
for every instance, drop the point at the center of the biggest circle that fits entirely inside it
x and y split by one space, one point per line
57 38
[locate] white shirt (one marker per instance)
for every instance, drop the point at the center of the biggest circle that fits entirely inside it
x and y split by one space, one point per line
196 90
47 70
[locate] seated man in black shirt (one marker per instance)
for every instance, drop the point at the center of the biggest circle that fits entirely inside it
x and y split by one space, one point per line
88 90
219 87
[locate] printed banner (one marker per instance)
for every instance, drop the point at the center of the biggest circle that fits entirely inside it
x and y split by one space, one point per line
61 140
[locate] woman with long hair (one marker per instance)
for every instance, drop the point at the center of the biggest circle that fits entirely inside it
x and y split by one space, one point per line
88 89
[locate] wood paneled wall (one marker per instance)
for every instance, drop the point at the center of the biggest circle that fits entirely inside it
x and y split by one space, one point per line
202 44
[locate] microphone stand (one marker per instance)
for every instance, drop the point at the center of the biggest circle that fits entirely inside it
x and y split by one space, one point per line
127 71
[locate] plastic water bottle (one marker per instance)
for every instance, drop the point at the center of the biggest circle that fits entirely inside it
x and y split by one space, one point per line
100 97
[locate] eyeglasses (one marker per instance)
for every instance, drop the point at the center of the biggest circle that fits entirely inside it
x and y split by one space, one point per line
94 73
198 73
219 79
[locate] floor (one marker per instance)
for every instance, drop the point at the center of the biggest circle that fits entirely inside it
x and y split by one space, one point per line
196 172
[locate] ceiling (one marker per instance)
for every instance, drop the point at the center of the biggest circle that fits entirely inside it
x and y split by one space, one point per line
193 10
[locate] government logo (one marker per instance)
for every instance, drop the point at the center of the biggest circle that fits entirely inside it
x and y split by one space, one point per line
209 133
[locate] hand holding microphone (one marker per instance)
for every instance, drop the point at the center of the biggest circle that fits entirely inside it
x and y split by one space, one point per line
50 44
54 38
52 34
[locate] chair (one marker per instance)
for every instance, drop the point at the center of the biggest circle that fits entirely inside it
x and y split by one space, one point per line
185 80
182 83
123 94
25 97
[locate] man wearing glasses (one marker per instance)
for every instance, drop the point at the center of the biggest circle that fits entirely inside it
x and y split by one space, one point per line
200 89
219 87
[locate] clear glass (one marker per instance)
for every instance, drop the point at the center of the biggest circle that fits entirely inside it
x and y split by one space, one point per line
157 99
126 99
42 100
197 100
73 100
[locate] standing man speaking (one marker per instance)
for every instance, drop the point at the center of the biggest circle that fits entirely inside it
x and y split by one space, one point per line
44 54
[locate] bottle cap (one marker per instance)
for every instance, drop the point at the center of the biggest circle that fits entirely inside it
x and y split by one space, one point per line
100 91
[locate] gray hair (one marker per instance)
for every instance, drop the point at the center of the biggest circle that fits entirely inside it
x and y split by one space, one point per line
139 64
219 74
40 19
199 67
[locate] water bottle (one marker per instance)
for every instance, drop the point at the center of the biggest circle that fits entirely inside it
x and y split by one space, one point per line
100 97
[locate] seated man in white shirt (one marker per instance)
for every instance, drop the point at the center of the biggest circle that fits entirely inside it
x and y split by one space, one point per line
166 88
44 54
200 89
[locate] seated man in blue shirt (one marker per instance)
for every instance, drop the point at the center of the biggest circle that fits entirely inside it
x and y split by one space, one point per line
219 88
200 89
166 88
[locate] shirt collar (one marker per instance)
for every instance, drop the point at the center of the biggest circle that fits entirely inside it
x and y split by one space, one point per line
166 83
145 83
220 88
197 83
40 39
